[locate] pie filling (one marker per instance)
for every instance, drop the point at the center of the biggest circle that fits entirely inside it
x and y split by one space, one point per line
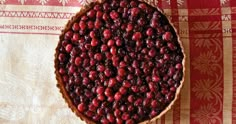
120 62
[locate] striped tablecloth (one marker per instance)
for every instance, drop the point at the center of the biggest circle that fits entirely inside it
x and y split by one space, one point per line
29 32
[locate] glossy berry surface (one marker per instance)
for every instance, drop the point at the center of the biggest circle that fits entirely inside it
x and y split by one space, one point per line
120 62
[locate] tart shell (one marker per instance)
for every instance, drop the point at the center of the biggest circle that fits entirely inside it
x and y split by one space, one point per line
60 83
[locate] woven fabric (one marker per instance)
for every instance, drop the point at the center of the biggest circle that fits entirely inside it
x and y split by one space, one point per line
29 31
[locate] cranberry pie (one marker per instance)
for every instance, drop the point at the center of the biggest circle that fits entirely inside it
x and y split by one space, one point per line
119 61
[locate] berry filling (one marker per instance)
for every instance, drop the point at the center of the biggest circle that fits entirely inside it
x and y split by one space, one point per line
120 62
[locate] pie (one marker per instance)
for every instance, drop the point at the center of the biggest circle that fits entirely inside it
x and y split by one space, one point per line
119 61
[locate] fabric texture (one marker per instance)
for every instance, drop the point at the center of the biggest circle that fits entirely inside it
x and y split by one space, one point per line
29 33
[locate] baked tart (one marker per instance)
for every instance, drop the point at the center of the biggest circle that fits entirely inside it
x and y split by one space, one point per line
119 61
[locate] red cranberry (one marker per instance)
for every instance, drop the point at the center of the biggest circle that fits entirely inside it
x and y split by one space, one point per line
149 95
153 113
97 7
123 108
171 46
105 17
100 68
119 42
82 107
96 102
107 33
178 66
84 18
100 90
123 90
119 121
111 118
142 6
100 111
117 96
152 52
112 82
94 42
125 116
98 56
138 102
149 32
82 25
135 89
121 72
137 36
78 61
104 121
123 4
131 98
155 78
154 103
101 97
126 84
98 24
167 36
68 35
68 48
130 121
104 48
129 27
75 27
154 23
110 43
99 14
113 50
114 15
135 11
117 113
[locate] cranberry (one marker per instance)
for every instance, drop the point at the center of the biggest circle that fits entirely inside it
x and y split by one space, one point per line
123 90
107 33
131 98
68 35
111 118
117 96
101 97
121 72
117 113
167 36
137 36
110 43
98 24
94 42
113 50
75 27
99 14
125 116
135 11
119 121
114 15
82 107
82 25
129 27
178 66
126 84
152 52
104 121
135 89
112 82
119 42
130 121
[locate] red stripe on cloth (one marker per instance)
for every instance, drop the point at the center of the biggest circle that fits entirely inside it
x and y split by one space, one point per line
47 3
233 17
176 112
2 32
206 63
31 27
203 4
36 14
234 83
163 119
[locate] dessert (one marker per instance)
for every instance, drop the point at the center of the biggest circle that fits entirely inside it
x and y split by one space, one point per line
119 61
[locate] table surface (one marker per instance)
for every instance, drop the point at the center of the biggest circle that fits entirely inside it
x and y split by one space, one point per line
29 32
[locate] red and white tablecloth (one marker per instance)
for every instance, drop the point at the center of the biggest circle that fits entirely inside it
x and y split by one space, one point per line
29 32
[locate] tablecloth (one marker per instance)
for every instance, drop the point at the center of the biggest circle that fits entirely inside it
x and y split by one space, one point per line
29 31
